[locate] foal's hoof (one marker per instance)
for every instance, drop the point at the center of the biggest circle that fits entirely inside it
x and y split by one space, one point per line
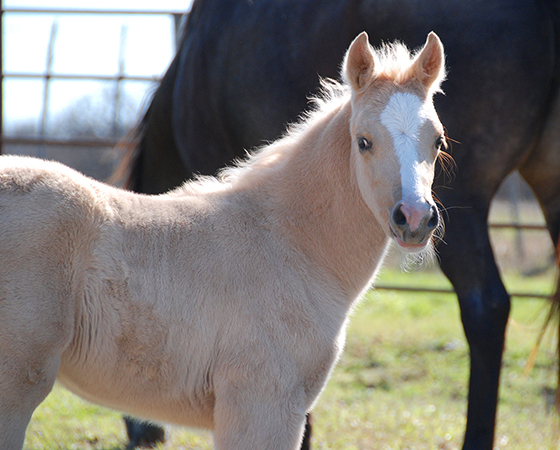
142 434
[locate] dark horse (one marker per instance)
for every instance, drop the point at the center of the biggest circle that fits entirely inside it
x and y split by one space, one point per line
244 67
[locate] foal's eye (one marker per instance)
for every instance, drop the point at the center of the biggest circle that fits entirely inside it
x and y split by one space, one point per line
439 142
363 144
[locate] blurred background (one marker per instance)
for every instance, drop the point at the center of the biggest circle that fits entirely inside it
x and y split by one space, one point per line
77 74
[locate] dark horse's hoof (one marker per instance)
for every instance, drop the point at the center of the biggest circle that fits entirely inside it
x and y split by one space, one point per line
143 434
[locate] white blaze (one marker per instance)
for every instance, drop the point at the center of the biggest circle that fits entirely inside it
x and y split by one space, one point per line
403 116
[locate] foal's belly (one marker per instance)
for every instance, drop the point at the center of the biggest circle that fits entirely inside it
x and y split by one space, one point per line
141 396
146 372
126 354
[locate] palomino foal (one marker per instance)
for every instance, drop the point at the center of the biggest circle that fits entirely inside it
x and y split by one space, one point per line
221 304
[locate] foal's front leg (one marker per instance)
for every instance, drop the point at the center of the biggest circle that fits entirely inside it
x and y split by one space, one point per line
245 420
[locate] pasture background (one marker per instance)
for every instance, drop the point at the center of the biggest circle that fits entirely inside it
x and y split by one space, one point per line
402 381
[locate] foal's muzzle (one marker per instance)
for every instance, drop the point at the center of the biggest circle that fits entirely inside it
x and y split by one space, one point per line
413 224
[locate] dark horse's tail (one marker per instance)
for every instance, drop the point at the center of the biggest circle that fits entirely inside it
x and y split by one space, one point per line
151 145
552 319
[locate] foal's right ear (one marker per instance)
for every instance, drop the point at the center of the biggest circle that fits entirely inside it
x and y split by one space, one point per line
359 63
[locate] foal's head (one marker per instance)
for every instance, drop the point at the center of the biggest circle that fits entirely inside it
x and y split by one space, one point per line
396 135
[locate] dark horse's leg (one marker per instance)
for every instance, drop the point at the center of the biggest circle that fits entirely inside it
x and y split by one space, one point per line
468 262
306 443
498 129
142 434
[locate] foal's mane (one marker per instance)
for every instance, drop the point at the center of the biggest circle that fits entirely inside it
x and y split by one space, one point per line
332 95
260 161
392 62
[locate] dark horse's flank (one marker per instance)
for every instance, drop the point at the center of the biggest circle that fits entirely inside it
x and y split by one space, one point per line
244 66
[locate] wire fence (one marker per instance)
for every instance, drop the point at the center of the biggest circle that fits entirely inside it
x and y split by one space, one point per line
48 76
42 139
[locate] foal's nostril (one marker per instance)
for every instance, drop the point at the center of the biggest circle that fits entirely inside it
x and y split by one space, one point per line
398 217
434 220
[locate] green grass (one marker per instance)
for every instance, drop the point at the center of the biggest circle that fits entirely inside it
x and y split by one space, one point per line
401 383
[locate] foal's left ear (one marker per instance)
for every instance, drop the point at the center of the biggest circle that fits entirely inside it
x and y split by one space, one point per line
429 64
359 63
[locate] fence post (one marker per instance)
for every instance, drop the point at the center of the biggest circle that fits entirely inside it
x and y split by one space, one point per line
118 87
46 92
1 80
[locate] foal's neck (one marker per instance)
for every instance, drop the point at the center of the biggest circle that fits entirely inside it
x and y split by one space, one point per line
321 208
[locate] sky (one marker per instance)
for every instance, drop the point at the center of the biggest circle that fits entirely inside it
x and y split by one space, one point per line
84 44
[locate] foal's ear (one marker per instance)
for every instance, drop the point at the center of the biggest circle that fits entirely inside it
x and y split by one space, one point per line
359 63
429 64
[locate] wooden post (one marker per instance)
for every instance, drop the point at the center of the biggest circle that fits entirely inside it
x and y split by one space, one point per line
1 80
